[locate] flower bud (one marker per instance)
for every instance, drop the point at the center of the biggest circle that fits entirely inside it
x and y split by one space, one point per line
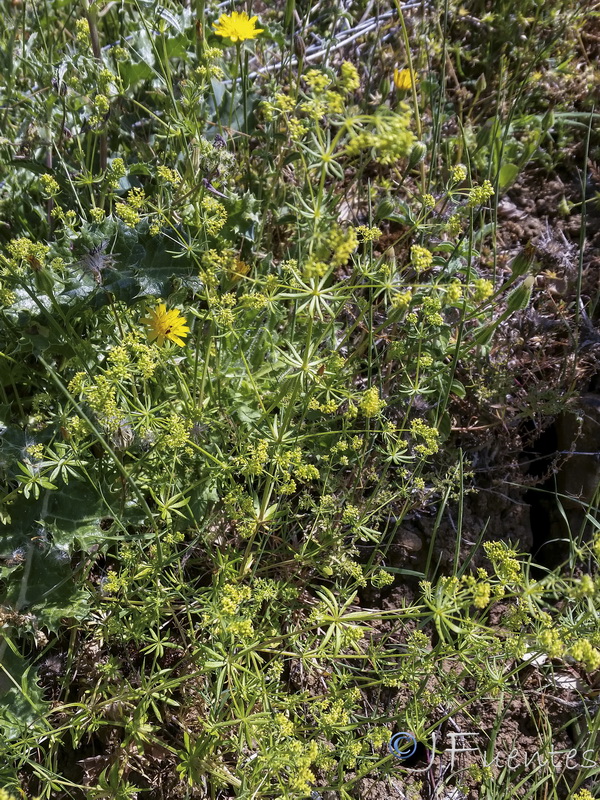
417 154
384 209
522 261
519 297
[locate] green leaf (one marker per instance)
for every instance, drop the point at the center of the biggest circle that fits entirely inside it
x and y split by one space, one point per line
21 701
458 389
508 173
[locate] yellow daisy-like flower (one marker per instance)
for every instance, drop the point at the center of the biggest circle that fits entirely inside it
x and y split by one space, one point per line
403 79
165 324
237 27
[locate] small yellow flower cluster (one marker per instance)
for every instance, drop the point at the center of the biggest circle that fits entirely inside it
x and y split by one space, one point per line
254 462
7 296
317 81
391 141
115 172
301 757
119 53
582 794
587 654
505 562
458 173
370 403
212 263
481 594
454 291
334 103
284 103
97 214
350 754
343 244
23 249
214 215
430 437
350 515
428 201
315 108
283 726
168 175
366 234
101 109
105 79
585 587
402 300
349 80
82 31
241 629
68 218
328 407
551 642
297 129
209 69
454 225
35 451
102 104
307 472
314 269
77 428
340 447
136 198
378 736
114 583
222 312
256 301
431 311
178 432
479 194
205 72
479 772
127 214
482 289
421 258
232 597
348 567
49 185
352 411
327 504
381 579
101 396
333 714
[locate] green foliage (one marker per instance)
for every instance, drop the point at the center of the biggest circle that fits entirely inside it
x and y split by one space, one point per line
240 309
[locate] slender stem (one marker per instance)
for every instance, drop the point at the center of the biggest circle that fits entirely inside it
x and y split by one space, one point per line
92 20
200 29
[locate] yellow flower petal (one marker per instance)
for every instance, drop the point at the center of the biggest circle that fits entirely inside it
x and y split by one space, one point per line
403 79
165 324
237 26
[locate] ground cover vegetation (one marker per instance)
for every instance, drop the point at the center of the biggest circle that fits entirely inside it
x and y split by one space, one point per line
298 356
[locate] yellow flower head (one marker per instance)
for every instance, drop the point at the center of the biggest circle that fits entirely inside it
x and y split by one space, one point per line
165 324
403 79
237 27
